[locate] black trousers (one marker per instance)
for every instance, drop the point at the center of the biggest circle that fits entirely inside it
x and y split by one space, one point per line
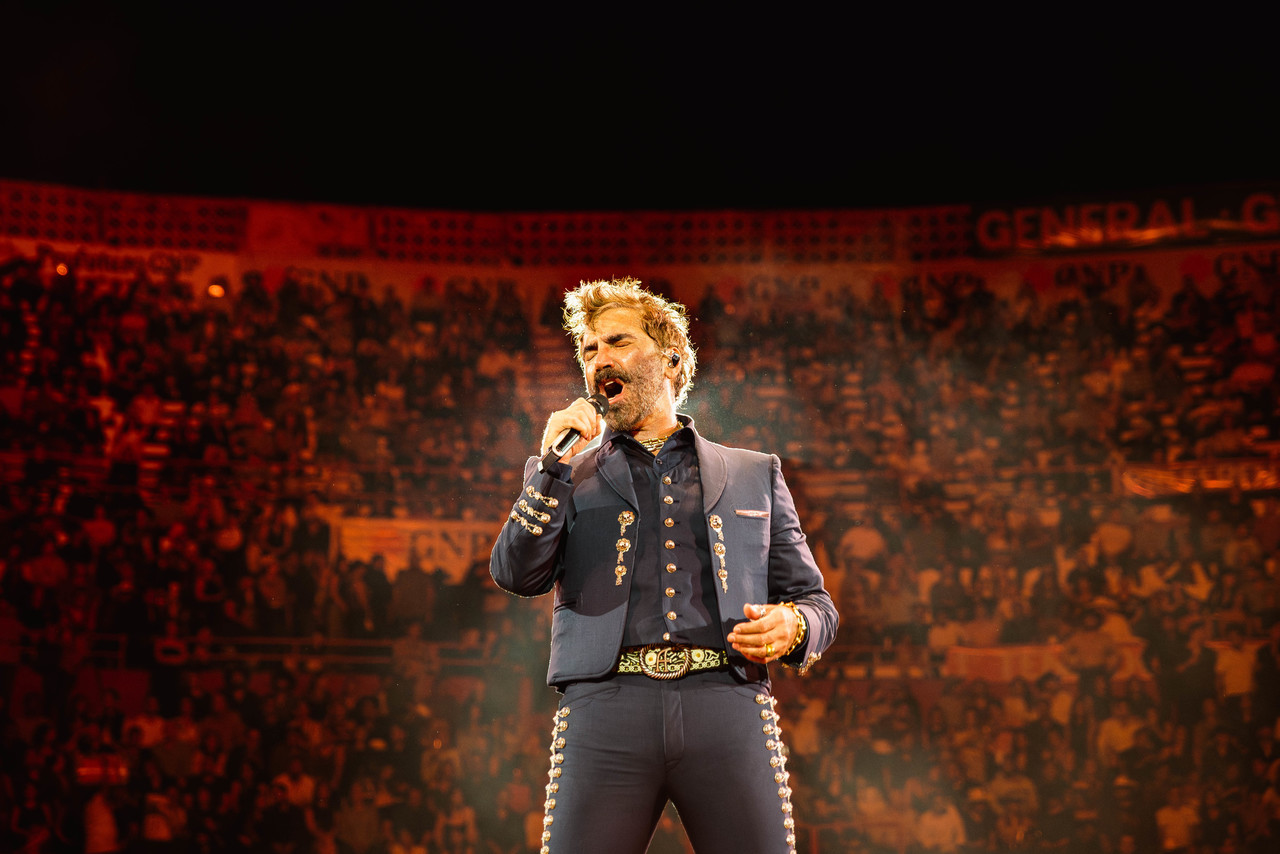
623 747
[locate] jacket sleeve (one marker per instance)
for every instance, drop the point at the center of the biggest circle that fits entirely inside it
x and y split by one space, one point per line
526 557
794 575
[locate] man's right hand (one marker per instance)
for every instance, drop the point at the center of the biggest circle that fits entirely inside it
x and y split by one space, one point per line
579 415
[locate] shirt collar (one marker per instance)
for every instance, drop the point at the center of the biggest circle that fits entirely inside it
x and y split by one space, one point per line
610 435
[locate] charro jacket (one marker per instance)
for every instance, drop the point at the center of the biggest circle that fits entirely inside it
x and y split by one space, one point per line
562 536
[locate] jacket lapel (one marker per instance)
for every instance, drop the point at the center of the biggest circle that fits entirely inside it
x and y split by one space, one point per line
715 473
614 471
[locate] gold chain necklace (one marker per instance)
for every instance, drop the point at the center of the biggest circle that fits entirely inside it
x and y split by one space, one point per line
655 444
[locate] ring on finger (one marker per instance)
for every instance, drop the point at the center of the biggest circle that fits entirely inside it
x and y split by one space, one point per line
768 649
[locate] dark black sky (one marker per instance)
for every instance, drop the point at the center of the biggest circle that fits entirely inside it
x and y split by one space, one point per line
515 112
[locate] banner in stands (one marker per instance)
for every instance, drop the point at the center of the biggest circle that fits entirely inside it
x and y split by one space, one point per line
1202 217
1184 478
451 546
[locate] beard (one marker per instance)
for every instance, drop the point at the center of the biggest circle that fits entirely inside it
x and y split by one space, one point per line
643 390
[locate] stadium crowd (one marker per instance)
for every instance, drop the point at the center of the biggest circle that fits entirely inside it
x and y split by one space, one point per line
174 464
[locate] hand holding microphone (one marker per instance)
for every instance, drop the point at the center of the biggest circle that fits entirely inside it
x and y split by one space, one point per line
571 429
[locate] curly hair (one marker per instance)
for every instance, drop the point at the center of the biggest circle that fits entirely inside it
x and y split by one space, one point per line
663 320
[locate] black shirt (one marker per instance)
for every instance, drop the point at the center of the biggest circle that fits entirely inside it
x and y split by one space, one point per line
673 598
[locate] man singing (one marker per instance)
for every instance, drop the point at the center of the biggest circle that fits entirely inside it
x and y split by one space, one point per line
680 571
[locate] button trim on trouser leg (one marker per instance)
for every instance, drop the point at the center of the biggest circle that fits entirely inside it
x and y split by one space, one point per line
559 725
773 745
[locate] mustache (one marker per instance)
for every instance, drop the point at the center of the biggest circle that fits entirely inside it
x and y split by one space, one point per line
605 374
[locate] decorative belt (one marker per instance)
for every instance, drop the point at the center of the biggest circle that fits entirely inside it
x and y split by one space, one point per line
658 661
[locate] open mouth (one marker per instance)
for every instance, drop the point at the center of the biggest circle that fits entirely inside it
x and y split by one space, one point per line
611 388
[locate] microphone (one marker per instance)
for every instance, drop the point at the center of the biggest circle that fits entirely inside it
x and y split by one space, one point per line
568 437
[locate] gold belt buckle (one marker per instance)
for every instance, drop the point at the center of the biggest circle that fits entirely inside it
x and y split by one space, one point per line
664 662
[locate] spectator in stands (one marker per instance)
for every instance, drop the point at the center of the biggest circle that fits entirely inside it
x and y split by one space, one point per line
1114 537
983 629
282 824
863 546
298 785
164 820
895 607
940 828
1014 829
102 834
1235 671
1089 651
149 723
455 831
31 821
948 594
1020 626
944 634
356 822
1116 735
1177 823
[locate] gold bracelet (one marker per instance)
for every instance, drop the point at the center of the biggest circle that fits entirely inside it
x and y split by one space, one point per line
802 632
